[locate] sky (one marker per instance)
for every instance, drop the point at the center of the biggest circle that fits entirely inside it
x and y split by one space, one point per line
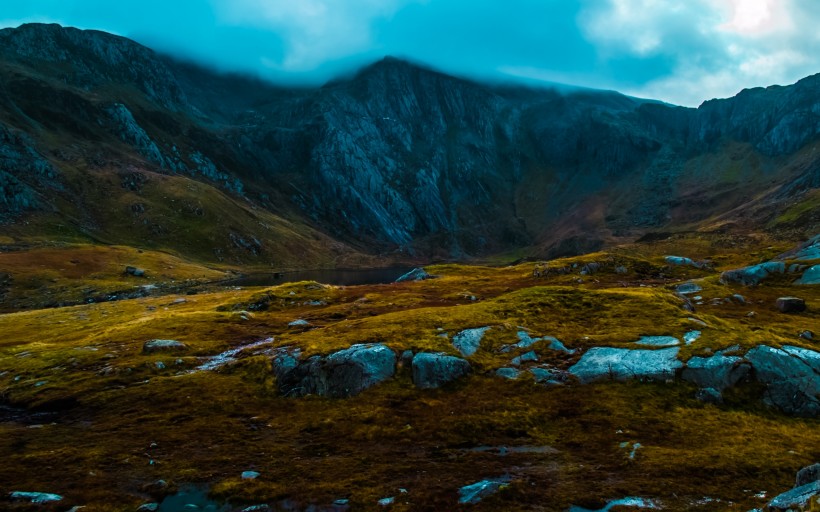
680 51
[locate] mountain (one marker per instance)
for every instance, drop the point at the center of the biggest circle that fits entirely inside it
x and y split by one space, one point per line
106 140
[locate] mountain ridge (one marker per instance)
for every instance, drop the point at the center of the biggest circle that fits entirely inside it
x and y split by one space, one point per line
402 159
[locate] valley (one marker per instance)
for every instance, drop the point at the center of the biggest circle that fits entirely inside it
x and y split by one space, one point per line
609 303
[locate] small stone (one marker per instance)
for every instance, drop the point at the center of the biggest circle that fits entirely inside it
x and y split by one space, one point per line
134 271
658 341
341 502
807 335
152 346
299 323
250 475
384 502
688 288
691 337
751 314
148 507
159 365
791 305
468 341
740 299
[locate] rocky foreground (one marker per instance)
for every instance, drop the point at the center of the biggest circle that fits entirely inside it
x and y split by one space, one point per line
667 376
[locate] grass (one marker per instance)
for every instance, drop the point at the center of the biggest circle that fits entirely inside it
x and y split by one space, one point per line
100 421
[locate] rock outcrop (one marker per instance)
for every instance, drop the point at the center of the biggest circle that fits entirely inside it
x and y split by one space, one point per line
341 374
606 363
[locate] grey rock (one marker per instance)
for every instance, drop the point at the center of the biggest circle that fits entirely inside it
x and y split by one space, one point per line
35 497
709 396
530 356
299 323
807 335
808 475
791 376
417 274
718 372
791 305
134 271
341 374
809 250
810 276
682 261
690 337
152 346
688 288
542 375
508 373
433 370
386 501
795 498
606 363
469 340
754 274
250 475
740 299
474 493
148 507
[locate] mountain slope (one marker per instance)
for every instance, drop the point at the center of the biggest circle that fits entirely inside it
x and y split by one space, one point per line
396 159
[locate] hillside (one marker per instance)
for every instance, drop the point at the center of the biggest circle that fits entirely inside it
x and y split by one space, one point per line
394 160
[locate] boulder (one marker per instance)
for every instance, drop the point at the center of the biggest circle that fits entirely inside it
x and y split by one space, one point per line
508 373
796 498
469 340
134 271
433 370
807 335
473 493
791 305
810 276
791 376
148 507
754 274
152 346
341 374
606 363
809 250
718 372
417 274
808 475
299 323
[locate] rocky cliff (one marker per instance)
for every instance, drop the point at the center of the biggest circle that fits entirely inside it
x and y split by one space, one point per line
400 157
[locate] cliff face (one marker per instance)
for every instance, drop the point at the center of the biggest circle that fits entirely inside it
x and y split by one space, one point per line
399 156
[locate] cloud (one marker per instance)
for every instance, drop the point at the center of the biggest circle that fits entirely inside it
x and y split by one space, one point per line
314 31
717 47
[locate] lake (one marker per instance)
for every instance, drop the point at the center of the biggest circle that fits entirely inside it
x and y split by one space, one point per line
340 277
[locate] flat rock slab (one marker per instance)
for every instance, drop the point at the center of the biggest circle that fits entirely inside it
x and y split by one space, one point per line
606 363
658 341
35 497
433 370
795 498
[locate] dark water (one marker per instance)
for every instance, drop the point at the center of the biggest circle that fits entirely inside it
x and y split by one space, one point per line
332 276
